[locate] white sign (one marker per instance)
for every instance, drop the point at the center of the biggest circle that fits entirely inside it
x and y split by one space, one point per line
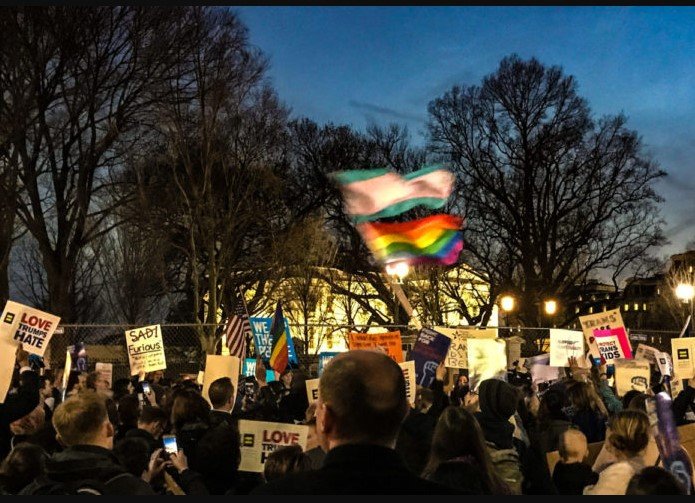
609 348
665 364
487 359
312 390
31 327
541 370
217 366
260 438
457 356
644 352
408 369
682 351
565 344
106 372
631 375
145 349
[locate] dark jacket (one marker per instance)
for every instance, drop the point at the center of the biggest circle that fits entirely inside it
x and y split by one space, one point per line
90 462
16 406
571 478
356 469
218 417
592 425
415 439
293 406
549 434
152 442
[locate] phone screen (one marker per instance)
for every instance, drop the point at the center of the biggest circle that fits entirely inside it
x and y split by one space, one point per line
170 444
146 387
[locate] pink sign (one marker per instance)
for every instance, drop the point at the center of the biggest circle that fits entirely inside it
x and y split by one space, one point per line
621 335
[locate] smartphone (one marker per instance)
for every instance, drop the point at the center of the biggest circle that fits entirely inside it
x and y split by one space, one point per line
170 446
249 388
146 387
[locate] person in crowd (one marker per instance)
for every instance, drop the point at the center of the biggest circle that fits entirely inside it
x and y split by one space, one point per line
457 436
552 420
654 480
26 426
156 380
50 396
313 446
285 461
133 453
96 382
83 427
22 398
190 420
627 398
121 388
571 474
415 435
22 466
128 412
152 422
460 390
588 411
627 438
360 408
293 404
520 467
222 396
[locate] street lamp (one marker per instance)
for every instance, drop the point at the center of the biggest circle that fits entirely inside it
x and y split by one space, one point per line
398 269
507 304
550 307
686 292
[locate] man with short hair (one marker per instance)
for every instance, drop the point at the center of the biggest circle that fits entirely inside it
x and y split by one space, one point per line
82 425
361 406
151 424
222 397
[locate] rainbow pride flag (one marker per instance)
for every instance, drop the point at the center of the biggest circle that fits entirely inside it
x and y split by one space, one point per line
436 239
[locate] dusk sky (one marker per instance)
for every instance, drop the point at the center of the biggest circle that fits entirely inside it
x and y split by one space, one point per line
353 65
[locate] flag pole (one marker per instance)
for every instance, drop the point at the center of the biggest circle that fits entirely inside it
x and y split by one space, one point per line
403 299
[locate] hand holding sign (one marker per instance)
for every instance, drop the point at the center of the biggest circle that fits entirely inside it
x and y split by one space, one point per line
22 356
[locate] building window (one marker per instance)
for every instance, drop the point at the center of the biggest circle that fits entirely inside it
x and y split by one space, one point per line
626 307
576 310
644 307
636 306
658 291
591 309
604 307
608 296
690 269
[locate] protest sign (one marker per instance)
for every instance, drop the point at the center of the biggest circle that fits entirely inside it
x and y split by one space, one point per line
609 348
487 358
602 321
408 369
106 371
631 375
457 356
261 336
682 351
540 368
312 390
145 349
217 366
260 438
31 327
249 370
8 349
644 352
387 342
621 338
565 344
324 358
428 352
665 364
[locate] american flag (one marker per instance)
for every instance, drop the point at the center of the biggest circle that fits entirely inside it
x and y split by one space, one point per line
238 328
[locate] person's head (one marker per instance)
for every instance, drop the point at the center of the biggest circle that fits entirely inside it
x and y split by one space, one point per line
153 420
82 420
189 407
654 480
580 397
21 466
629 396
45 387
221 394
30 423
361 400
133 453
628 433
461 474
96 381
285 461
128 410
298 384
551 406
497 399
424 398
154 377
638 402
122 387
458 435
286 378
573 447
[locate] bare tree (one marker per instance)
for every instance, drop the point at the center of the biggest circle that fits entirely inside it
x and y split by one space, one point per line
550 195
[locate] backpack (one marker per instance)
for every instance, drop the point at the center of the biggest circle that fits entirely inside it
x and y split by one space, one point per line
507 465
86 487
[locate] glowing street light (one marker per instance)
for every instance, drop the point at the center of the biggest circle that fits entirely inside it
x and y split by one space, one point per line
398 269
507 303
685 292
550 307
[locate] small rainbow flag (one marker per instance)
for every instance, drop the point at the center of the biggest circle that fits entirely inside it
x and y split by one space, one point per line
435 240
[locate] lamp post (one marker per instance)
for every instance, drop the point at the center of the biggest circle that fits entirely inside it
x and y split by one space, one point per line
550 307
686 292
507 303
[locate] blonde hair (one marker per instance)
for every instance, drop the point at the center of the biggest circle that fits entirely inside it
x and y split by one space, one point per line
629 432
568 446
79 418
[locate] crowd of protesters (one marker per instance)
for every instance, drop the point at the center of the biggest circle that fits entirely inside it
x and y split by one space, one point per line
96 437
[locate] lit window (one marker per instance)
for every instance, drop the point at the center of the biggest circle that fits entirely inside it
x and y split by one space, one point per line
690 269
576 310
626 307
604 307
608 296
591 309
636 306
644 307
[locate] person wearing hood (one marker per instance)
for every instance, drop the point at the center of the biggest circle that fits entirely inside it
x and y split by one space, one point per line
521 467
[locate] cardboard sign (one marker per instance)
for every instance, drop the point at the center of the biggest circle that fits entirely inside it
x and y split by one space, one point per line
601 321
429 351
261 336
487 359
541 370
249 369
565 344
408 369
620 336
31 327
457 356
324 358
665 364
260 438
609 348
145 349
631 375
312 390
388 343
8 349
682 351
106 371
644 352
217 366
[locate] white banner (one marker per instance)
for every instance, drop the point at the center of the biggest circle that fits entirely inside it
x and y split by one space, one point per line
541 370
563 345
312 390
408 369
631 375
487 359
217 366
145 349
260 438
31 327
